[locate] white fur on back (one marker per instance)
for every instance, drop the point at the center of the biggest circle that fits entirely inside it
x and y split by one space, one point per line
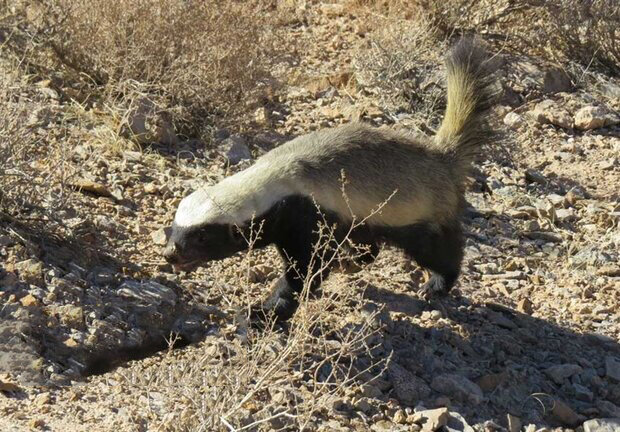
236 199
376 164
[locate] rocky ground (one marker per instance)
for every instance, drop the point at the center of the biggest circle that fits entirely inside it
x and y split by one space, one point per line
529 340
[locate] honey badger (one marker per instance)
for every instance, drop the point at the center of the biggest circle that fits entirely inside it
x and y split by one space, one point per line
421 178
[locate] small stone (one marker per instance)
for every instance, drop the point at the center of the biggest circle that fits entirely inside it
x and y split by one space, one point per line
236 149
382 426
456 423
458 387
31 271
565 215
572 196
514 423
525 306
261 116
151 188
582 393
339 406
488 383
132 156
159 237
363 405
43 399
6 240
6 385
607 164
556 80
602 425
95 188
611 270
409 389
400 417
371 391
147 123
547 112
612 368
432 420
71 343
608 409
594 117
36 423
556 199
533 176
29 301
565 414
513 120
147 292
435 315
559 373
70 315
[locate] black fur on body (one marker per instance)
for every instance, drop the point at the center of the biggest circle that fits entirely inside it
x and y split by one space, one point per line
421 179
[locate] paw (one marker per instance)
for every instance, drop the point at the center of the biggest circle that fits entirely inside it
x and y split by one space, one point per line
276 310
434 288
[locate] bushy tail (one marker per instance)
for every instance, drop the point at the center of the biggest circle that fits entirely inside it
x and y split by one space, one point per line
471 91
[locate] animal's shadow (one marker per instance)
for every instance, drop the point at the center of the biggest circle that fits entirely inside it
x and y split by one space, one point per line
518 360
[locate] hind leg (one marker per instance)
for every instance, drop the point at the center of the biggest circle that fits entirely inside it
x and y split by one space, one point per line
438 250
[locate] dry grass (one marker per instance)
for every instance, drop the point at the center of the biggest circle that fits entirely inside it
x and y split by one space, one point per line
195 59
402 61
31 160
587 32
401 66
290 378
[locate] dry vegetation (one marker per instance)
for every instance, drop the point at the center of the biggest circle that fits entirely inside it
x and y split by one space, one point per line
214 61
202 65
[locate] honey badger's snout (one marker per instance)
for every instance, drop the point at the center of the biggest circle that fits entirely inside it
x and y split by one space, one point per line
171 252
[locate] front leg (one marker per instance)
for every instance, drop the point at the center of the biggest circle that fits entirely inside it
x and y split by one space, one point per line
280 305
295 234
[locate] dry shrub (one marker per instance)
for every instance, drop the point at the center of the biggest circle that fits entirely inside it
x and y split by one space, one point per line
574 30
402 60
194 57
401 65
31 159
584 31
275 379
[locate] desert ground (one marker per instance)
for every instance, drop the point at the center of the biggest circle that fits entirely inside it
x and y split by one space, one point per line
112 112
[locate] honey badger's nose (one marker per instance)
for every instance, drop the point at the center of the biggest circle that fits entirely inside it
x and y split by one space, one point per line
170 252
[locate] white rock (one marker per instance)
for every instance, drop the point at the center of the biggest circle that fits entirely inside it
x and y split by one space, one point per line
148 124
602 425
559 373
148 292
546 112
513 120
458 387
593 117
432 420
409 389
236 149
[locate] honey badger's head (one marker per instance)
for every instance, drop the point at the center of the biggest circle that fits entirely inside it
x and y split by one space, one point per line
200 234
